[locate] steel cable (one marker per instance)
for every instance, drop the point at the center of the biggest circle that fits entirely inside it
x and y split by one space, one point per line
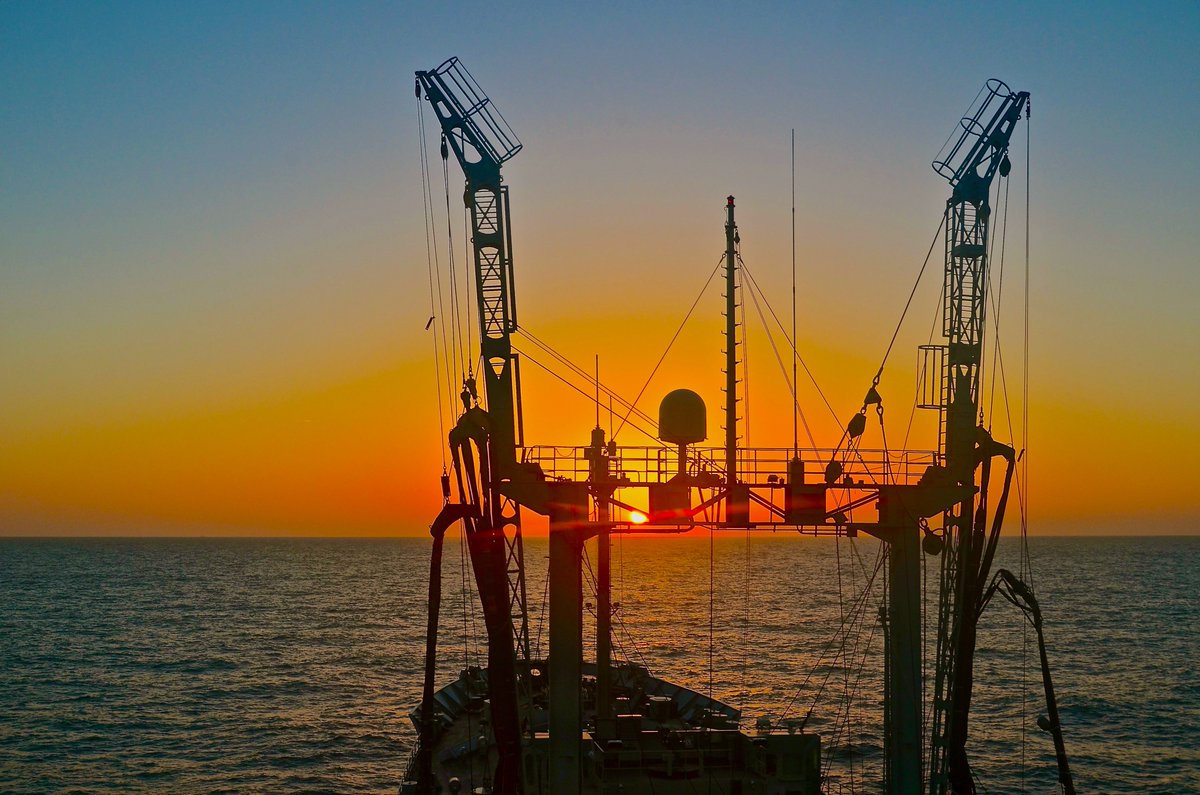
674 337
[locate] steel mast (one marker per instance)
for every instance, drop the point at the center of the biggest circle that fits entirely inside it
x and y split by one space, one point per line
731 241
970 165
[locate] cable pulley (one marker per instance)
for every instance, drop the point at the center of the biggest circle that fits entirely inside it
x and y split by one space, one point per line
856 426
931 543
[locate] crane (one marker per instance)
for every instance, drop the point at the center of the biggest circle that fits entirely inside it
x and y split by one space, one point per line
491 484
978 154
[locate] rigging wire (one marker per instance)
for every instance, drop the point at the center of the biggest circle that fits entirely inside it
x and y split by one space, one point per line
542 617
431 242
1003 377
955 130
590 378
838 730
986 410
674 337
888 474
1025 567
997 303
1025 377
712 595
856 618
456 329
925 717
434 309
470 284
981 365
792 343
620 621
999 372
467 596
837 546
745 356
843 631
712 598
580 390
908 303
624 649
618 616
744 689
582 373
621 568
844 728
796 410
796 355
850 692
468 593
922 374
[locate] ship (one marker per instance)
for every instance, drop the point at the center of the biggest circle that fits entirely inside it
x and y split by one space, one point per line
568 726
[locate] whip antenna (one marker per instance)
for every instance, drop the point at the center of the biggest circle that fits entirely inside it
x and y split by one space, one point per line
795 409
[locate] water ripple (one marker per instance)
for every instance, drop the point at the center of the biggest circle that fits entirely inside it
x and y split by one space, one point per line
141 666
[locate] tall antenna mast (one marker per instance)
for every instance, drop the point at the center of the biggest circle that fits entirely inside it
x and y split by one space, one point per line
731 240
795 383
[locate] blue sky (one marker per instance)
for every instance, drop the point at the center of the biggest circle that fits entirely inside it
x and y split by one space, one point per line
207 206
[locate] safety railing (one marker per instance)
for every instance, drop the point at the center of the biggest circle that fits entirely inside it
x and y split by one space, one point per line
975 123
630 467
477 110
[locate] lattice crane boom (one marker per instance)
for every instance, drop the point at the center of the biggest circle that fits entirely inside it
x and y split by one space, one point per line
484 442
978 154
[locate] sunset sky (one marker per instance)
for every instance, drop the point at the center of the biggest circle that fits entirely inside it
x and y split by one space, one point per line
213 285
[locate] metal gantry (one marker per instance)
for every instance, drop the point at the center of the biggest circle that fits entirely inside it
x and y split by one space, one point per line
600 488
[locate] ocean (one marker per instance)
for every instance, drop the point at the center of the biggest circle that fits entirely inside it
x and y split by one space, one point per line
291 665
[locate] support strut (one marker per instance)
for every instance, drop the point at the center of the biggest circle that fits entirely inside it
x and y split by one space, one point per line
1021 595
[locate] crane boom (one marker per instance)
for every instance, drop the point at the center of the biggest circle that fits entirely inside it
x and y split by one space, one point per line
484 443
980 151
482 141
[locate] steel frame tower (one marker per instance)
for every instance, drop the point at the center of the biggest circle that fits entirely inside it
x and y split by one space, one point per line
482 141
980 151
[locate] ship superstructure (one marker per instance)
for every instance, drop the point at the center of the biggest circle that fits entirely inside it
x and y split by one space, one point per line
561 725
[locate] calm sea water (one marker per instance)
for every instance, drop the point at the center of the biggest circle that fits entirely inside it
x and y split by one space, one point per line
291 665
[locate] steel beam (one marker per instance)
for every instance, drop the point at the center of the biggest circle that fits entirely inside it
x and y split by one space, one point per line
568 514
